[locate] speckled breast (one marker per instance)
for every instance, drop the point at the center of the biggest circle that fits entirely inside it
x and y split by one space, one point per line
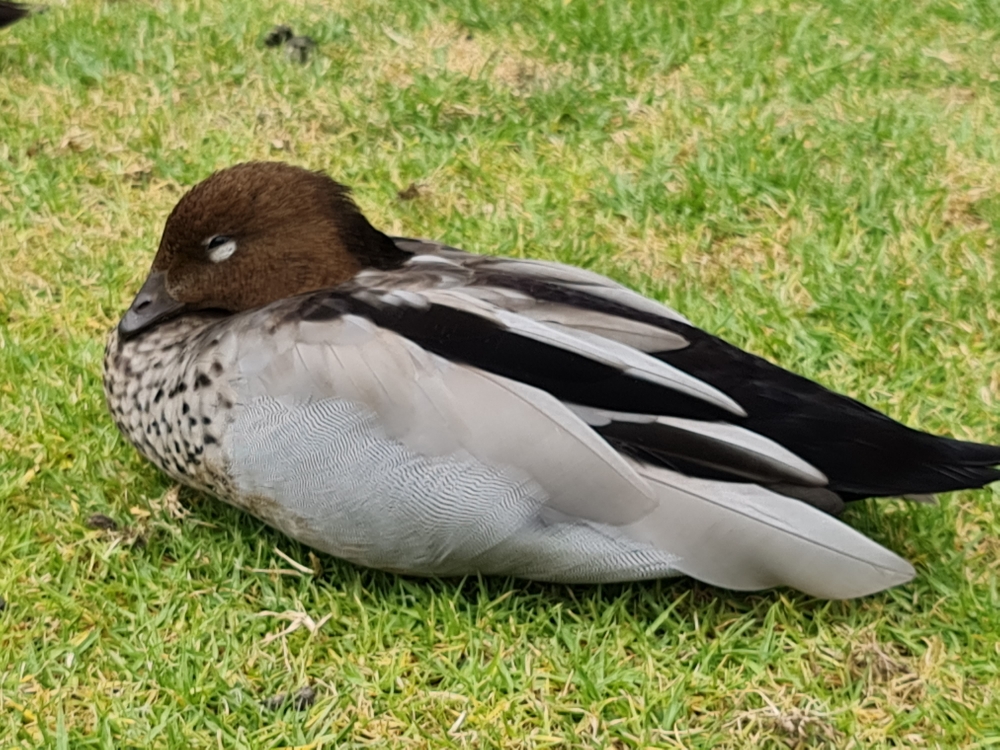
169 391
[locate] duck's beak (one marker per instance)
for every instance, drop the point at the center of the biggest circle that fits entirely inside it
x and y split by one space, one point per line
153 303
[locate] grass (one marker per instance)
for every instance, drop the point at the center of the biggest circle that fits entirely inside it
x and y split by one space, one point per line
817 182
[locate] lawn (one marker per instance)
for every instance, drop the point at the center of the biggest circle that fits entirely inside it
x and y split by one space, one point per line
817 182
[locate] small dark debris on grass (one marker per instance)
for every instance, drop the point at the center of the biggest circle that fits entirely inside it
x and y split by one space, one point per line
101 521
278 35
300 700
138 176
134 536
3 604
298 48
411 192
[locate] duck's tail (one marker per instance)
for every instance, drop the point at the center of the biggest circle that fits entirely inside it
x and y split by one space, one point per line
918 463
862 452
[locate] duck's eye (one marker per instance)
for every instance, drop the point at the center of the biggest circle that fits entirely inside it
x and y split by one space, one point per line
220 247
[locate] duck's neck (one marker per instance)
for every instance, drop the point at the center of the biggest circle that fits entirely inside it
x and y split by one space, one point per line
374 249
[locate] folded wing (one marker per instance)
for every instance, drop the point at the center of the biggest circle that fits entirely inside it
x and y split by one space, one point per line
518 383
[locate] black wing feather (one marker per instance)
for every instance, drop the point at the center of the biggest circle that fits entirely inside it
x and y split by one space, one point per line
863 452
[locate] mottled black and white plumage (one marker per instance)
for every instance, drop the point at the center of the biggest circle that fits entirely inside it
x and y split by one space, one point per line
416 408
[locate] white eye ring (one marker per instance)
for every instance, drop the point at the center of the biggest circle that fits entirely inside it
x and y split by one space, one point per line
220 248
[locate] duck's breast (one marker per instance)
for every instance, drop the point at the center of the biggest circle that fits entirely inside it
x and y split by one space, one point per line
172 395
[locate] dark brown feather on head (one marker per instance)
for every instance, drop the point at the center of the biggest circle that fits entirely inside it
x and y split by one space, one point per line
292 231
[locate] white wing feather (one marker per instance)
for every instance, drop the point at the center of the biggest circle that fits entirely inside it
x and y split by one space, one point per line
741 536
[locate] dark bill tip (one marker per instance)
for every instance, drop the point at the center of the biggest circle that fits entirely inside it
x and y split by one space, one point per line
152 304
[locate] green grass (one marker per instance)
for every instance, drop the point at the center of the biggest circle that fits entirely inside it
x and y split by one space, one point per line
819 183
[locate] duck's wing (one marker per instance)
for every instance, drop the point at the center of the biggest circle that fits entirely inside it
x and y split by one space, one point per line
578 336
862 452
439 408
453 366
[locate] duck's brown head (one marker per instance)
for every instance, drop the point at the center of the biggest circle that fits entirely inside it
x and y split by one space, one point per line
252 234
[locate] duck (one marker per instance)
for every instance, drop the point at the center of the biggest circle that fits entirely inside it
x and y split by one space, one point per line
11 12
409 406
